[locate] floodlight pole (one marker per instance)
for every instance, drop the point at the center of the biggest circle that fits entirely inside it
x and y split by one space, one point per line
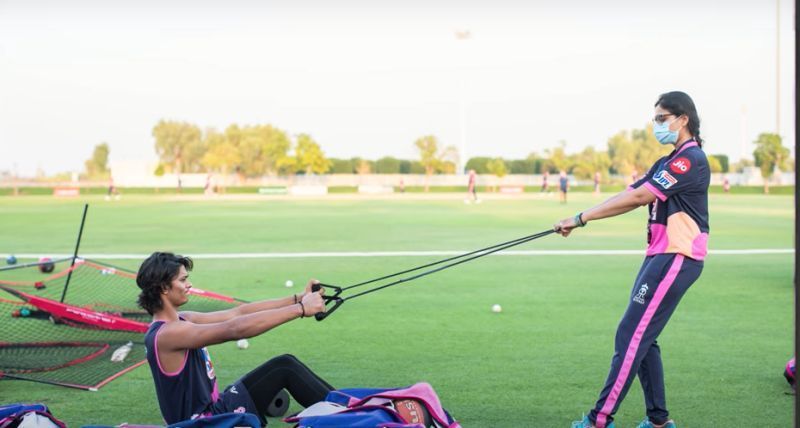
75 254
462 109
778 67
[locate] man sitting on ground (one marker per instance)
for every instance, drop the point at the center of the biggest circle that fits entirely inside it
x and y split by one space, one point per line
176 343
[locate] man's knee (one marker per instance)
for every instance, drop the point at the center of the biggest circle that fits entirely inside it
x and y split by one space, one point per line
286 360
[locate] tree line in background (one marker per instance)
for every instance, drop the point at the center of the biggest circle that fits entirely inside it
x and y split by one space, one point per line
258 150
249 150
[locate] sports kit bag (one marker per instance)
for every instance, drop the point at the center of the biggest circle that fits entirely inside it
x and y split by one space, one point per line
416 406
223 420
28 416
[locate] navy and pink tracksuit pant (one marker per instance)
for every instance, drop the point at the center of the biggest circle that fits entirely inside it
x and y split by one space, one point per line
662 281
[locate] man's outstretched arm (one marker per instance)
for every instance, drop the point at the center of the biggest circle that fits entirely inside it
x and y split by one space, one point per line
247 308
189 335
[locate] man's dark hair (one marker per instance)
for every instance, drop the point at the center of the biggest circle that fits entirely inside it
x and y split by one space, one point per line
156 275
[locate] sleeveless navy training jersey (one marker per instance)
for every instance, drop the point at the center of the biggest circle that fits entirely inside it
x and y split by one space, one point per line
187 393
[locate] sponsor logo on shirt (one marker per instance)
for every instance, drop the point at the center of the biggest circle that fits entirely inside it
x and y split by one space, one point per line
233 390
239 409
639 297
209 366
680 166
664 179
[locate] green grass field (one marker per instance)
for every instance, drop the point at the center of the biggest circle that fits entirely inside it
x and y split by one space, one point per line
540 363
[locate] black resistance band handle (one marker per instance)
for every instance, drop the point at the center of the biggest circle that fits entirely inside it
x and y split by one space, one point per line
319 316
328 299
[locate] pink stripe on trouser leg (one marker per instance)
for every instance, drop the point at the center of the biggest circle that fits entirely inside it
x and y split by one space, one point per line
633 347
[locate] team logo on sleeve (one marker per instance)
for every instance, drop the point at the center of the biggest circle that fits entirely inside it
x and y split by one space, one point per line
664 179
680 166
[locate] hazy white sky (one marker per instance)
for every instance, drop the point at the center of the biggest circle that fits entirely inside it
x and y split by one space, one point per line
366 78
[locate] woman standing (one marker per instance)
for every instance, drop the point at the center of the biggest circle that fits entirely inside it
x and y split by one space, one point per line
676 190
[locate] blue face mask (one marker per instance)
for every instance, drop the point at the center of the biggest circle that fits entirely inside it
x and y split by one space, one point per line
663 134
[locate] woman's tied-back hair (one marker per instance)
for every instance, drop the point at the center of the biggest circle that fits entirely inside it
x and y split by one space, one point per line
679 103
156 275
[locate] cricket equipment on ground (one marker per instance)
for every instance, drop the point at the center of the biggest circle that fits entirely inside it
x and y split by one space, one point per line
80 326
790 373
91 338
46 265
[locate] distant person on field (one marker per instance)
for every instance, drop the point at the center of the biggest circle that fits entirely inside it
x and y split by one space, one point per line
471 187
676 191
112 190
185 381
208 189
597 182
563 186
726 185
545 174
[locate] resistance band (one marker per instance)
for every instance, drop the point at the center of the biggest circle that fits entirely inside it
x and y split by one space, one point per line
337 300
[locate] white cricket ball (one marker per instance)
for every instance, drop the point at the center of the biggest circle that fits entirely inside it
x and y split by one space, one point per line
289 283
497 309
242 343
